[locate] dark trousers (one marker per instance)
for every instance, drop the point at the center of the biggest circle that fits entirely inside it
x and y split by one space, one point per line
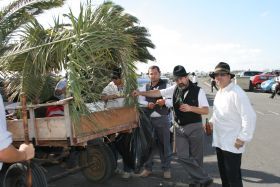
229 168
161 142
213 85
277 88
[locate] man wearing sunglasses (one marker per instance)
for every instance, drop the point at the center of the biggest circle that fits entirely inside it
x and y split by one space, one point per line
233 123
189 103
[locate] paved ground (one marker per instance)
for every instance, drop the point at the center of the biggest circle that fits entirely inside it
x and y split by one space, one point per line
260 163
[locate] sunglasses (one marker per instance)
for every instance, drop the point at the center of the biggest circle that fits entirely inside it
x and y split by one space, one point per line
220 74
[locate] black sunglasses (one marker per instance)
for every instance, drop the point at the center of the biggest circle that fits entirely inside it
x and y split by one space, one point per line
220 74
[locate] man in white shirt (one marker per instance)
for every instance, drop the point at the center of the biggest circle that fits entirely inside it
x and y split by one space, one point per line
189 103
194 78
8 153
112 94
277 87
233 122
158 111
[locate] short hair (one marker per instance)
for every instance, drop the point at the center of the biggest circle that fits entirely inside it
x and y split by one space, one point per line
154 67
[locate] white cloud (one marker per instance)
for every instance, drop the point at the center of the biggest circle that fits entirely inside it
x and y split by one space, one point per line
265 13
173 48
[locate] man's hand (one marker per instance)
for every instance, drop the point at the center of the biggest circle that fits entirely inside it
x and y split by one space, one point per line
185 108
112 97
135 93
151 105
239 143
160 102
28 150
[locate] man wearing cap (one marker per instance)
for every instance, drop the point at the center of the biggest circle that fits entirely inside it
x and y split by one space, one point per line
189 103
233 122
113 97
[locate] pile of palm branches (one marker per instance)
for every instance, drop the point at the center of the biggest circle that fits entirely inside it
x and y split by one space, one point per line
94 43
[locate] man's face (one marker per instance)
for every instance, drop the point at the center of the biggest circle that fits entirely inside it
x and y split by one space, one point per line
117 82
154 75
183 82
222 79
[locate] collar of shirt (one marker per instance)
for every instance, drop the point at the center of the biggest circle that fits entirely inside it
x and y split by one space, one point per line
228 87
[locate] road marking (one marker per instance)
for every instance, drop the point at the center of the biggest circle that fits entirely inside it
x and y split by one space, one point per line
274 113
260 112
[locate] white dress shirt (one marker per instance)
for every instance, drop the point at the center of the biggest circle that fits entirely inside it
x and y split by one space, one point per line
233 117
112 89
142 101
5 136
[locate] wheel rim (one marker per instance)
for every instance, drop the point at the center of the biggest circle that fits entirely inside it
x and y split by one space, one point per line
96 161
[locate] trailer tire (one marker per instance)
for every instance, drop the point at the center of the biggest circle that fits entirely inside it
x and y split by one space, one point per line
100 159
113 159
16 176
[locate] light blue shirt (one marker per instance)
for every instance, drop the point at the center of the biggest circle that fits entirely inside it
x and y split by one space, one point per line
5 136
59 86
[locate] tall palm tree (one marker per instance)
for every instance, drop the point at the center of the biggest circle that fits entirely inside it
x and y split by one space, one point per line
96 41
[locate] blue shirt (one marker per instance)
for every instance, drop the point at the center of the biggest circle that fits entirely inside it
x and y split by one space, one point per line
5 136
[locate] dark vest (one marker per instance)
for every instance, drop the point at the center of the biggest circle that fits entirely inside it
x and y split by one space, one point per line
185 118
161 110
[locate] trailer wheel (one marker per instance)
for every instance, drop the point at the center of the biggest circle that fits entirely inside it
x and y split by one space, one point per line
16 176
99 158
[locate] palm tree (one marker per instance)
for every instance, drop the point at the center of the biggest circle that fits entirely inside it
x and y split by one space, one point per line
96 41
19 13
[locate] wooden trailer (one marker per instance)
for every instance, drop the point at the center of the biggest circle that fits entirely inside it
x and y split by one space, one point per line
96 159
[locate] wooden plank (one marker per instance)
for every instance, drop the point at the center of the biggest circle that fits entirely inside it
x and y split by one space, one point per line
98 122
49 128
59 128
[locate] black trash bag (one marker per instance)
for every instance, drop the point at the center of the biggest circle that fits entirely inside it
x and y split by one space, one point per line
123 144
143 139
136 146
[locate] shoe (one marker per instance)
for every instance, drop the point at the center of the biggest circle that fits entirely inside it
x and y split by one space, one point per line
126 175
118 171
167 174
206 183
271 97
145 173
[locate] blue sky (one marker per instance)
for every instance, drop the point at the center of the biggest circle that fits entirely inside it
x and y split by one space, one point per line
200 33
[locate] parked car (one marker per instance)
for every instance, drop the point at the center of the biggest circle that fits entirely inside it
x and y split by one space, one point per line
255 81
267 85
142 80
249 73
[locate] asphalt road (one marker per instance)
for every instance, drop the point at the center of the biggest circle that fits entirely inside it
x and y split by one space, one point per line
260 162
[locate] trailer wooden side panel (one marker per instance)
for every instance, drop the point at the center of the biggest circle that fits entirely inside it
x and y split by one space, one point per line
48 130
